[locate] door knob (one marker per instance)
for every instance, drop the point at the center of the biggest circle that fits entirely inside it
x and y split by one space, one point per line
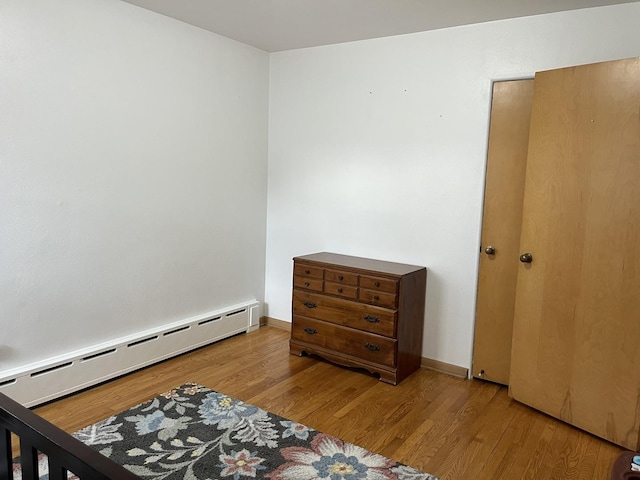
490 250
526 258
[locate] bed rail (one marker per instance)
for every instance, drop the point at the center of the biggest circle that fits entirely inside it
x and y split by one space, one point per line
65 453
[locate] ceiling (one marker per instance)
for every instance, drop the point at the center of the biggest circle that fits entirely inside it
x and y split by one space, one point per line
276 25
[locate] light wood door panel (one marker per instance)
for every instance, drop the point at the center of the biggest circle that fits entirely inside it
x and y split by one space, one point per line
501 222
576 337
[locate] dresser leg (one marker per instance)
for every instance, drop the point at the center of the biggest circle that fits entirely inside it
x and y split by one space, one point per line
295 350
388 377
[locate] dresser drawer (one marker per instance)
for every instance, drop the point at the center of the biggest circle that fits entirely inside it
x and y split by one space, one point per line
345 278
378 298
303 270
378 284
363 345
346 291
345 312
308 283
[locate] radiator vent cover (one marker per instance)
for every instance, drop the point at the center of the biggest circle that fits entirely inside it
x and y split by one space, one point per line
55 377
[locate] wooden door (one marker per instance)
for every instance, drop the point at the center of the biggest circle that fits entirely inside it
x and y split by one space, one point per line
576 338
501 222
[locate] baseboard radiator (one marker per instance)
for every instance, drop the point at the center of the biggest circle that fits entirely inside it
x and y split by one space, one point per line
53 378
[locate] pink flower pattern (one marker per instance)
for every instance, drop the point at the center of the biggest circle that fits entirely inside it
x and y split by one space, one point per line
242 463
331 458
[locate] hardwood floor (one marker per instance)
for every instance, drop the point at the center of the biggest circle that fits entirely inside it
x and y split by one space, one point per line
450 427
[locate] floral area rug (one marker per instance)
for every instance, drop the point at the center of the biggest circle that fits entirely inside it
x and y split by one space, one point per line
194 433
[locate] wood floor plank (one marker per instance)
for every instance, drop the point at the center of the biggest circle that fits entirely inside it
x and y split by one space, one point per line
481 438
448 458
522 447
455 428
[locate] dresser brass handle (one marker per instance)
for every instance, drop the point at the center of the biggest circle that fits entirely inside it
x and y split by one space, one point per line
371 318
371 347
377 284
310 305
310 331
306 284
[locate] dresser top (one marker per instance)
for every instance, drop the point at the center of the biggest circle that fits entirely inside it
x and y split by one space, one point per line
336 259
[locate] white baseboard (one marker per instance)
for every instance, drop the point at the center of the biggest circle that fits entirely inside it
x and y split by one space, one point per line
55 377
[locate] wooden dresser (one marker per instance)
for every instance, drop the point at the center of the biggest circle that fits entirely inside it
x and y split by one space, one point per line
359 312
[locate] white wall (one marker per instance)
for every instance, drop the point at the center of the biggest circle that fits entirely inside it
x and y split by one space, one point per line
133 163
133 158
378 149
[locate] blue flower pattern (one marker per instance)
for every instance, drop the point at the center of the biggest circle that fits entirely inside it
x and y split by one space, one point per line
150 423
340 467
295 429
223 411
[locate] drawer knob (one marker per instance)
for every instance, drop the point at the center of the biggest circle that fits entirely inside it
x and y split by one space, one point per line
310 305
340 277
377 284
307 272
306 284
339 290
371 347
310 331
376 298
371 318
